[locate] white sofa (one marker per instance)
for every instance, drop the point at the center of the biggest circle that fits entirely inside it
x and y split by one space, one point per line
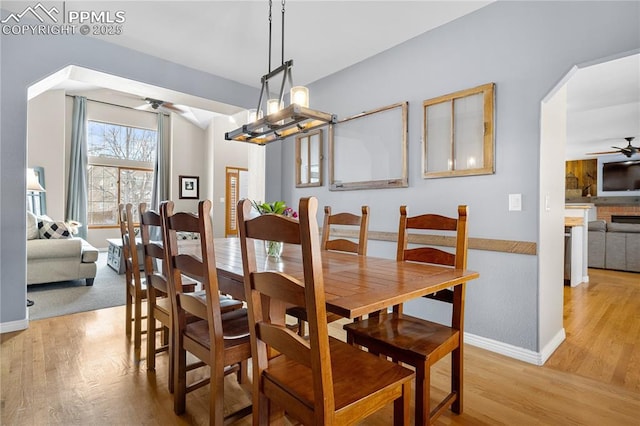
52 260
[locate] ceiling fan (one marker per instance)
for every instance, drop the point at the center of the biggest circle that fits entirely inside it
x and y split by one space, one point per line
628 150
188 113
156 104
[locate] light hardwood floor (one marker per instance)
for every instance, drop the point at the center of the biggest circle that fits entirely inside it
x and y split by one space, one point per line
78 369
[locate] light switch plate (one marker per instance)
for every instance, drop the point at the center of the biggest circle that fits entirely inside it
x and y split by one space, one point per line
515 202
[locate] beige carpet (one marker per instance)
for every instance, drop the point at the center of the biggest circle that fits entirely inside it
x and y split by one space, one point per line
68 297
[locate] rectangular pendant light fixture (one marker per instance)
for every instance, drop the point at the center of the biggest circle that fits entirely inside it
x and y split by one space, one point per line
280 122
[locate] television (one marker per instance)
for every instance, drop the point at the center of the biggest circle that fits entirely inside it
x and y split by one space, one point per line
621 176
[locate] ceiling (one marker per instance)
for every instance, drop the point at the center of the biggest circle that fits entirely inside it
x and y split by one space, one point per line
603 107
230 39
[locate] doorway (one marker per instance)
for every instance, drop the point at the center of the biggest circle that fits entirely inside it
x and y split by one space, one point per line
236 188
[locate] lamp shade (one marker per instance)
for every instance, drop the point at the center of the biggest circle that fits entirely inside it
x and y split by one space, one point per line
254 115
300 96
273 106
32 182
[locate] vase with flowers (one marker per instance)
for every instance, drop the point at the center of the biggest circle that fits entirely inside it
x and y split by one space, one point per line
274 248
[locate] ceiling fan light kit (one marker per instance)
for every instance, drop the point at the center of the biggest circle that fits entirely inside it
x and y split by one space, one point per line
280 122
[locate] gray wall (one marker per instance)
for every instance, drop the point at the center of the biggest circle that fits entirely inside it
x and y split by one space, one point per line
525 48
24 61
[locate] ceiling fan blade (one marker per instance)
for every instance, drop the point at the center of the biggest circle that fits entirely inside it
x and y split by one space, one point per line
143 107
603 152
172 107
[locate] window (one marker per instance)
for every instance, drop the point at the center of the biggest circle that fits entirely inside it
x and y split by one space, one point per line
120 169
458 133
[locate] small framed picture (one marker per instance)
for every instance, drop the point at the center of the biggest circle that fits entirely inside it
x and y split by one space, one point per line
189 187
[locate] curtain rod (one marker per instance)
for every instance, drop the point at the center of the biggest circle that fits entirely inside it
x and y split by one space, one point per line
120 106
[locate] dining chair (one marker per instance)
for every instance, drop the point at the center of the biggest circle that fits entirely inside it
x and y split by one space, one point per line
317 380
158 303
344 220
219 340
415 341
136 290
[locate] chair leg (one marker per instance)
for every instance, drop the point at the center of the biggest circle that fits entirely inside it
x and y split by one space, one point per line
423 394
128 311
179 376
137 331
151 338
402 407
216 397
456 379
172 371
274 414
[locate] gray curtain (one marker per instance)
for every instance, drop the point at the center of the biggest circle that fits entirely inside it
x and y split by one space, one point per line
160 190
161 168
77 187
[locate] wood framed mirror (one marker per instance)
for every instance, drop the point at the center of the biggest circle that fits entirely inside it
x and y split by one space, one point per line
369 150
309 158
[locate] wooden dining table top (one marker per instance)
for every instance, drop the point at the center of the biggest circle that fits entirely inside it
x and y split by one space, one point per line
354 285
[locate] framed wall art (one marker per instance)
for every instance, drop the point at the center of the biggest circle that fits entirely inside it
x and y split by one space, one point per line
309 159
458 133
369 150
189 187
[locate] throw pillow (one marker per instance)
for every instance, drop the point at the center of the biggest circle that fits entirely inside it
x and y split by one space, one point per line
32 226
183 235
53 230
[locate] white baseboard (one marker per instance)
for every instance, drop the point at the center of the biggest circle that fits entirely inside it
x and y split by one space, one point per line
550 348
526 355
7 327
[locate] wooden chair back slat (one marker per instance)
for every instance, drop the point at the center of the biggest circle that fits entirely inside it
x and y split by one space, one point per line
280 287
341 244
287 230
285 342
432 221
430 255
343 218
153 250
193 305
190 266
184 222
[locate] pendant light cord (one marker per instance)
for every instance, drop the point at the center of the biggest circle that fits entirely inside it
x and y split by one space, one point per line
270 4
282 54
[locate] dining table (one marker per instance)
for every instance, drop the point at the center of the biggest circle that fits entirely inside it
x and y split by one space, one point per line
354 285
